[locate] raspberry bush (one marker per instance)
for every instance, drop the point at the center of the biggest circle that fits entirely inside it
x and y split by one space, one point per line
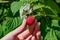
45 11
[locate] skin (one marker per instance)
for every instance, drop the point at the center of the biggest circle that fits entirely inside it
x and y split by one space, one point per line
21 33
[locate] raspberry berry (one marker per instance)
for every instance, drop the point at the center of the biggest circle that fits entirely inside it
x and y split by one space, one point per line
30 20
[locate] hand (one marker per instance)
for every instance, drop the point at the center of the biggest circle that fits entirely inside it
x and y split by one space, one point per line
21 33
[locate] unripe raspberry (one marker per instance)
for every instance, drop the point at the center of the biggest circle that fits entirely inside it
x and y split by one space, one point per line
30 20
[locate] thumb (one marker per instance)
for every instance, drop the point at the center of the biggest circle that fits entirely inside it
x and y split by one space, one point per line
19 29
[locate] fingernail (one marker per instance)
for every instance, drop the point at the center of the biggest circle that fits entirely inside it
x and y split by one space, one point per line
39 23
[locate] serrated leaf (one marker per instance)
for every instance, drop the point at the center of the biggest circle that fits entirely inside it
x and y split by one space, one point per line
53 6
10 24
55 23
15 6
51 35
49 4
37 6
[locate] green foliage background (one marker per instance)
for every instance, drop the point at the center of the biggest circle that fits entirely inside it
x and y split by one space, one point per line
46 11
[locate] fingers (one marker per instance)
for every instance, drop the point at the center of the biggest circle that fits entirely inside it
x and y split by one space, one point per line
27 32
29 38
19 29
32 27
33 38
38 35
24 35
36 28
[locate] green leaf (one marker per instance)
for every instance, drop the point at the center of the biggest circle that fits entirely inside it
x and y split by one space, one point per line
24 0
54 35
41 37
58 33
1 11
33 1
15 6
37 6
53 7
10 24
51 35
49 4
55 23
58 1
0 31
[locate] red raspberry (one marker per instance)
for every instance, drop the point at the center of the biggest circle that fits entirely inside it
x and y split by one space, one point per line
30 20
